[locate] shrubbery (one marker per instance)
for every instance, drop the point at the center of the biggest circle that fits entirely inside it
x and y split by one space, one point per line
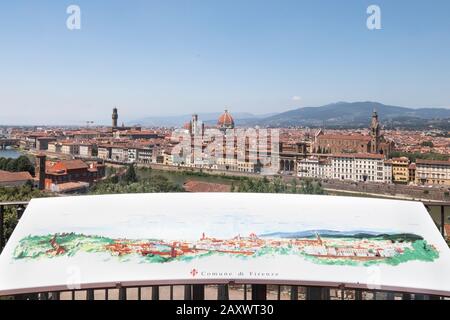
24 193
17 165
277 185
129 182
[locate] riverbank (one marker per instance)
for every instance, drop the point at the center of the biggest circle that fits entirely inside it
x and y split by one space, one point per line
379 190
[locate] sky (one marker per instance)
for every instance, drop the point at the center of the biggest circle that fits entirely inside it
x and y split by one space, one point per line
158 58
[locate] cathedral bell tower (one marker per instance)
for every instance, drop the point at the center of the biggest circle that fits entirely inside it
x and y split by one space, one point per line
374 133
115 117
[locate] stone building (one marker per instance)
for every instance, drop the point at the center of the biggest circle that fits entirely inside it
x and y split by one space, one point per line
432 172
400 170
355 143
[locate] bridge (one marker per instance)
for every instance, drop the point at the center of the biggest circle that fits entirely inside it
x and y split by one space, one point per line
6 142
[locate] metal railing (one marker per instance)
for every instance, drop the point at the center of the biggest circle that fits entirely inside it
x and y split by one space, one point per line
442 206
245 292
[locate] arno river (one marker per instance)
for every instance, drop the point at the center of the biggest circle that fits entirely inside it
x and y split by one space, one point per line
9 153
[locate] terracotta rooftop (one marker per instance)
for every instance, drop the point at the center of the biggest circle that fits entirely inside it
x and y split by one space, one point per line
67 165
200 186
400 159
6 176
359 155
439 162
345 137
225 119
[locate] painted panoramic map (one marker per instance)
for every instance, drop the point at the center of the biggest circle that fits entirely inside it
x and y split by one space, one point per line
358 248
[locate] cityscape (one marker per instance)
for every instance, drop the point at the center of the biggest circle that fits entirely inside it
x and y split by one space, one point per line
70 160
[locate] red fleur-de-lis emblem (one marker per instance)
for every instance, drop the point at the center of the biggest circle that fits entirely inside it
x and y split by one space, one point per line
194 272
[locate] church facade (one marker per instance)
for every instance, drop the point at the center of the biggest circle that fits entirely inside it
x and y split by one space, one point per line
374 143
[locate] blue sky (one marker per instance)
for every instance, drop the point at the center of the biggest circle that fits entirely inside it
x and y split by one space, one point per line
175 57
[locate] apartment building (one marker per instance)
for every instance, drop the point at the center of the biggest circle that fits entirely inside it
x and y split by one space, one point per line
104 152
361 167
358 167
314 167
54 147
85 150
70 148
400 170
119 153
432 172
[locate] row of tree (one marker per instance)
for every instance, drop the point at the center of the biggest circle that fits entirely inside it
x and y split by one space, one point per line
129 182
277 185
11 194
413 156
20 164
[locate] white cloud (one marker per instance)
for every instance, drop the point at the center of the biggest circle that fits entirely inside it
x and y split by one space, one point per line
296 98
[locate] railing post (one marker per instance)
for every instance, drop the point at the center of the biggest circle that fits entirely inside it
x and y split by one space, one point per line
171 293
122 293
390 296
222 292
259 292
43 296
89 294
56 295
443 221
198 292
2 232
294 292
187 292
325 293
318 293
155 292
19 212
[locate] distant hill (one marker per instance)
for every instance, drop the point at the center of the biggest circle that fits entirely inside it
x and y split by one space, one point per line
208 118
340 114
354 114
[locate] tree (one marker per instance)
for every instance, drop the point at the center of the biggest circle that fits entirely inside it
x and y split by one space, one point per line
24 164
11 165
294 186
114 179
145 185
22 193
16 165
130 176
